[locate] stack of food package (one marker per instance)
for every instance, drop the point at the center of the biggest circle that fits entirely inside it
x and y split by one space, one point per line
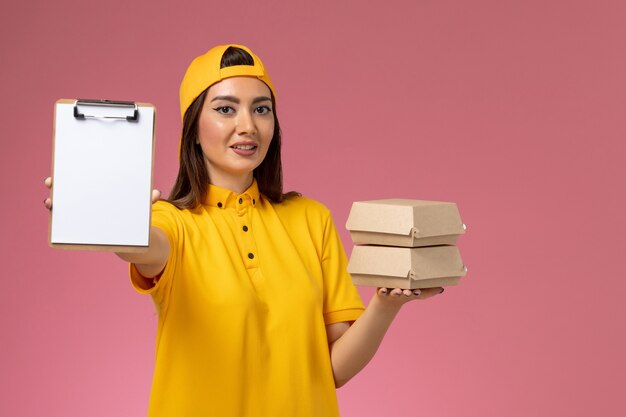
406 244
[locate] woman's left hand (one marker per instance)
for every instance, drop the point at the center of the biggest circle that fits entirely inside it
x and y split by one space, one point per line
398 296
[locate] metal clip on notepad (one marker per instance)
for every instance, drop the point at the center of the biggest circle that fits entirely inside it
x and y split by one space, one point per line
106 103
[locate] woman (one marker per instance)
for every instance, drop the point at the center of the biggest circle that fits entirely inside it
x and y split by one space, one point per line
257 313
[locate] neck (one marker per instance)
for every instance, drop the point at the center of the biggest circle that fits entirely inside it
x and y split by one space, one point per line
235 184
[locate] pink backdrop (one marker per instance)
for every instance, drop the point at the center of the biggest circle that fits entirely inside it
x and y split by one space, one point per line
512 109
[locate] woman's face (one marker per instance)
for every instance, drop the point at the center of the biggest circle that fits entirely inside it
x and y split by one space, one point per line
235 129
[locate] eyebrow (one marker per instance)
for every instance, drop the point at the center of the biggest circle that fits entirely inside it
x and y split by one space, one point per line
237 101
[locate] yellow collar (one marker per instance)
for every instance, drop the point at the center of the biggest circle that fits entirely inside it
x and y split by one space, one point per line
223 198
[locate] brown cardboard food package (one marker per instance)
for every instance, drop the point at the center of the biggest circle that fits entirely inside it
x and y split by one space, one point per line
406 268
407 223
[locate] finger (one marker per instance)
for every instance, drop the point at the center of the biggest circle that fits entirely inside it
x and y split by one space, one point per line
48 203
156 195
396 292
48 182
383 291
417 293
407 293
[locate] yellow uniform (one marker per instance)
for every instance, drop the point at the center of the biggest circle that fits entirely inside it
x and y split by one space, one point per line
243 302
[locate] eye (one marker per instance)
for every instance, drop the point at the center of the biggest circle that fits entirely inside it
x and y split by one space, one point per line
263 110
224 110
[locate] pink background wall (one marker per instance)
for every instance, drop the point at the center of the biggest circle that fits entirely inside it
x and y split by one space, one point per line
513 109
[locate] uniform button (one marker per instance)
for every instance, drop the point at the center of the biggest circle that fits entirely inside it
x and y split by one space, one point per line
219 205
251 255
240 200
245 228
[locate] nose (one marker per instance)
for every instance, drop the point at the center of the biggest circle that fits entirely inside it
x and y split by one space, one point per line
245 123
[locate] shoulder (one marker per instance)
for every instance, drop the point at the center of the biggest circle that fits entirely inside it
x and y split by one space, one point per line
168 217
306 215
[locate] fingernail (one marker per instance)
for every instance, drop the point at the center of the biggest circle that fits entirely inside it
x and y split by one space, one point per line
417 292
441 291
384 290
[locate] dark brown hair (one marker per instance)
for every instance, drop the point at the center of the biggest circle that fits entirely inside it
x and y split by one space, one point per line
191 184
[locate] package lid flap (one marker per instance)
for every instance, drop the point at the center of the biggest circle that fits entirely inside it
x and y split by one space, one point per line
420 218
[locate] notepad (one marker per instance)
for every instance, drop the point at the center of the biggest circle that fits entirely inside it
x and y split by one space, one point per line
102 175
